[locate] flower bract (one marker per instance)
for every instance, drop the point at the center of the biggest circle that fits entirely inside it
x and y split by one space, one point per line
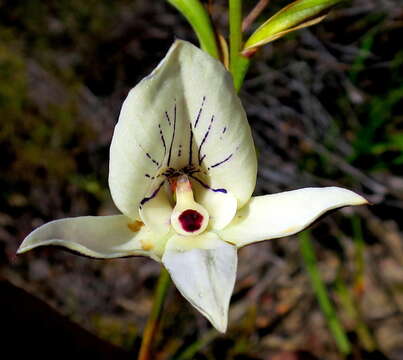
182 172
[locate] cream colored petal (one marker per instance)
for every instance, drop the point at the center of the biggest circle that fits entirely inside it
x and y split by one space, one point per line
205 275
156 210
184 115
220 206
97 236
273 216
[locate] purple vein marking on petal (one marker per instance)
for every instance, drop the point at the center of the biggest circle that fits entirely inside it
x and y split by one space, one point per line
173 137
149 176
190 145
153 160
224 130
163 141
149 156
179 150
224 191
200 111
204 140
153 195
167 117
222 161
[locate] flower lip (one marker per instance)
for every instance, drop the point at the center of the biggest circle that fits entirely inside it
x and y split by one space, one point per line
188 217
191 220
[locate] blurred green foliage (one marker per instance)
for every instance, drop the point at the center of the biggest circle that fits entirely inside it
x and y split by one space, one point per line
39 142
378 143
379 135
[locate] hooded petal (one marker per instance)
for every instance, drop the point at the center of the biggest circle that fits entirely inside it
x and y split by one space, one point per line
97 236
184 116
220 206
273 216
203 269
156 210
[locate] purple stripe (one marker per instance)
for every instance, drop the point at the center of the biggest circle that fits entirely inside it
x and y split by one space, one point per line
208 187
153 195
222 162
200 111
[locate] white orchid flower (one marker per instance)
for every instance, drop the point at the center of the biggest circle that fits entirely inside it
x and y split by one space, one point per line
182 171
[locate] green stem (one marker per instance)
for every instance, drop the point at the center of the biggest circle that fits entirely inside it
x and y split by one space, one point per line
319 288
243 67
191 350
235 31
198 18
153 322
238 63
350 306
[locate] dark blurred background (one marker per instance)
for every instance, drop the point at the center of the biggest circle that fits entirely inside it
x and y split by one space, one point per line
323 104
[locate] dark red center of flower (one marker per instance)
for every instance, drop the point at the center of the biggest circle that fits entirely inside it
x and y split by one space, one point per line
191 220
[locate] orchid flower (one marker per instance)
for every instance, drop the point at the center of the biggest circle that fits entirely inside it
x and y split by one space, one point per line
182 172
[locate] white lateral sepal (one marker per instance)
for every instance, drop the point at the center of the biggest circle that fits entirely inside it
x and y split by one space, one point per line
277 215
95 236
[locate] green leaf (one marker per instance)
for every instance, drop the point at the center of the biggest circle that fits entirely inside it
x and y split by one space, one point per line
297 15
321 293
198 18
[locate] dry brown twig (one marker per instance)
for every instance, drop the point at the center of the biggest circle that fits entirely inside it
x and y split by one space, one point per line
256 11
